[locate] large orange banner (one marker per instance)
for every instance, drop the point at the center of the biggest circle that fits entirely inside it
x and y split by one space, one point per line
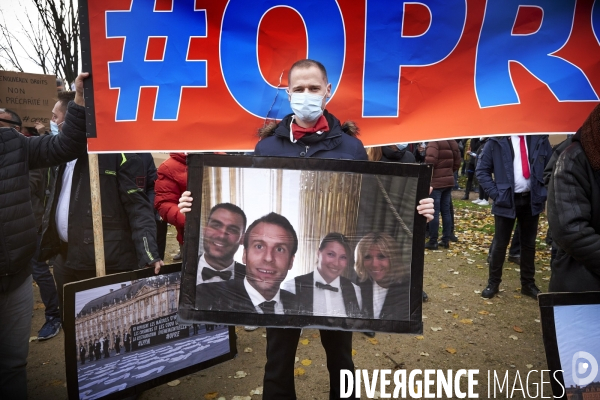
185 75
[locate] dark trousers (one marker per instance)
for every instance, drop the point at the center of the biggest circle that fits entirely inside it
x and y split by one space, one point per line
482 194
442 201
45 281
528 232
161 237
281 354
470 175
515 243
64 275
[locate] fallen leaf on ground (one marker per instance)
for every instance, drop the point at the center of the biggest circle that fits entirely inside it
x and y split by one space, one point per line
174 383
483 312
513 337
488 303
448 311
477 291
372 341
211 395
296 359
451 350
299 372
529 366
353 352
258 390
315 335
536 320
419 337
518 329
435 329
306 362
467 321
240 374
248 350
305 341
424 354
264 335
33 339
455 316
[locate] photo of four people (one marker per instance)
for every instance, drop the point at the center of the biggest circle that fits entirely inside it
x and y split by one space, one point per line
380 289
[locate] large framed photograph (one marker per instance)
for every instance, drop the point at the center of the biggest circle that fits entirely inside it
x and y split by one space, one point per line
571 331
292 242
122 336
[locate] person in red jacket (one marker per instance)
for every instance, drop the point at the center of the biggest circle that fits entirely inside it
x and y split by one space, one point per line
170 184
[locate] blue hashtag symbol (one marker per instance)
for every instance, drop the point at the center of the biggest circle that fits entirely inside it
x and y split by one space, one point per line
171 74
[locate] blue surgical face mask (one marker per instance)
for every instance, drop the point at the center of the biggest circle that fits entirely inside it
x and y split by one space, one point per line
401 146
54 127
307 106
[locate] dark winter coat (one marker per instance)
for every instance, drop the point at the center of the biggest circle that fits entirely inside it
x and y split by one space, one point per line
171 183
574 212
19 154
128 221
339 143
445 157
399 156
497 158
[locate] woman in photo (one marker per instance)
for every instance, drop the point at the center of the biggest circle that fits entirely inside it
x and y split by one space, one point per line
325 291
383 280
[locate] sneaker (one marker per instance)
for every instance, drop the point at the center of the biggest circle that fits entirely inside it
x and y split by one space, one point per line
177 257
484 203
476 201
249 328
369 334
50 329
431 246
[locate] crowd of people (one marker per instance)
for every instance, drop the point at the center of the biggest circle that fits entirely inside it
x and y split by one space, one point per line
45 219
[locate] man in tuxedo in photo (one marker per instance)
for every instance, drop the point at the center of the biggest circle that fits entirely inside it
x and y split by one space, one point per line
270 244
221 239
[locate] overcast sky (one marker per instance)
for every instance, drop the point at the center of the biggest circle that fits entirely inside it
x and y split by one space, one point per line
15 19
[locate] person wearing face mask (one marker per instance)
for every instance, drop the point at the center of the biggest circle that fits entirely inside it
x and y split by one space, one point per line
310 131
59 111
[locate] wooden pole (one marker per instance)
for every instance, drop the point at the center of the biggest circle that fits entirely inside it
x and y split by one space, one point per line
97 214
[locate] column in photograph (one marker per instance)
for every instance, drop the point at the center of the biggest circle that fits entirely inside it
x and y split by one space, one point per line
329 203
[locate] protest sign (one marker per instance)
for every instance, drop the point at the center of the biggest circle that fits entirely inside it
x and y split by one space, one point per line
122 337
302 235
204 75
31 96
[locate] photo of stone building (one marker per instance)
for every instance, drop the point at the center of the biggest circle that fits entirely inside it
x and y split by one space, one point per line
112 314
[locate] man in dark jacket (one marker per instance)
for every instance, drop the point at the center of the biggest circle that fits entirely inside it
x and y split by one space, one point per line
445 157
128 220
309 132
573 212
517 164
18 235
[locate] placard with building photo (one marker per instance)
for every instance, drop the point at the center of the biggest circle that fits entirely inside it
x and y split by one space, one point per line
571 332
304 242
122 335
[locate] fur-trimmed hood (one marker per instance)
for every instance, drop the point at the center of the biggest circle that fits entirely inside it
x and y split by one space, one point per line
348 127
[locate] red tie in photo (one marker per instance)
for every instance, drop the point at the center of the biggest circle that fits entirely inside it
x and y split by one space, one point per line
524 160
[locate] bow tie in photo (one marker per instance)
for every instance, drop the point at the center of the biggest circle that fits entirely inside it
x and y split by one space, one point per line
326 287
208 273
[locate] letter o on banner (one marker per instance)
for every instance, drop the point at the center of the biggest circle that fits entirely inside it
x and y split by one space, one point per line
239 54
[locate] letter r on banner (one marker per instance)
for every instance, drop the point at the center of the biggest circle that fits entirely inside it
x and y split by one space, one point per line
499 46
239 54
387 51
